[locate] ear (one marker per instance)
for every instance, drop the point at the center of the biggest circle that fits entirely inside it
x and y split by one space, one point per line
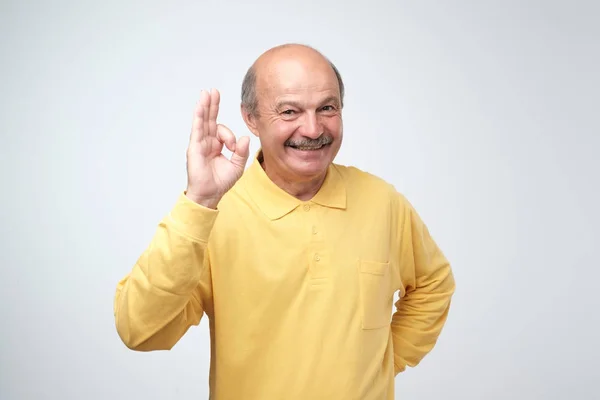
250 120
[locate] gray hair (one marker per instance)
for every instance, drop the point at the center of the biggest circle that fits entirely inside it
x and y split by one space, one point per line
250 100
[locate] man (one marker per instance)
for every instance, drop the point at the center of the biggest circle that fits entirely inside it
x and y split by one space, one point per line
294 261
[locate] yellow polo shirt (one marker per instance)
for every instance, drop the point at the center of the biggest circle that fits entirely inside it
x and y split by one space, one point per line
299 294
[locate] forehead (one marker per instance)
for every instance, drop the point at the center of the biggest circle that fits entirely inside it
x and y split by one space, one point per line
293 78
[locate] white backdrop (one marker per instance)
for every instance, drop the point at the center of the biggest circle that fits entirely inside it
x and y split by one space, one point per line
485 114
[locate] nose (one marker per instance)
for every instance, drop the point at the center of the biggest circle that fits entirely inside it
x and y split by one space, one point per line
311 127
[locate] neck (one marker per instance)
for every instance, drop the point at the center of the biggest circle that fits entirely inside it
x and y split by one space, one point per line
302 190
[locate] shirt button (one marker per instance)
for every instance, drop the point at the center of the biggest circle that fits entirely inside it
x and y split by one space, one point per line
314 230
317 258
306 207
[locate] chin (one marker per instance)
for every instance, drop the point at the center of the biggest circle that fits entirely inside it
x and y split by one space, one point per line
309 171
309 163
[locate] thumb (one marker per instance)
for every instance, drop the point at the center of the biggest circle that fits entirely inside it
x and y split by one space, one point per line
242 150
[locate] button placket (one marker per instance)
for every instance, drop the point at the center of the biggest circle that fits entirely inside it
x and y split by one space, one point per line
317 252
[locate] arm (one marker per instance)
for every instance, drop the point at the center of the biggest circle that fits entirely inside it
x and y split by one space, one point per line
169 288
425 294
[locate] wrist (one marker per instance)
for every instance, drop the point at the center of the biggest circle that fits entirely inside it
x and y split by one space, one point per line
192 220
208 202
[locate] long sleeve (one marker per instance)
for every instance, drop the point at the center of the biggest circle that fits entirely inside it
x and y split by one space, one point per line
427 288
169 288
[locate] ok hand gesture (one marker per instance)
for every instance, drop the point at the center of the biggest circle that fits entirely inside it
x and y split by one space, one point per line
210 173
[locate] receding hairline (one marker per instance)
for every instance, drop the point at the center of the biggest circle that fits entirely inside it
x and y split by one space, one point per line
249 96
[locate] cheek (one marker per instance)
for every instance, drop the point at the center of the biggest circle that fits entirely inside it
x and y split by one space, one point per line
333 126
280 131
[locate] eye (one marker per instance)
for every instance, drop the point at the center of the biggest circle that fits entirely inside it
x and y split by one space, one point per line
328 108
288 112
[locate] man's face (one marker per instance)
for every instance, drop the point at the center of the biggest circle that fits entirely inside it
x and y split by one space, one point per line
299 119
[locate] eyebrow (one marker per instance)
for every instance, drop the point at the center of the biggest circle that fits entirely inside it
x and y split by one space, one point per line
330 99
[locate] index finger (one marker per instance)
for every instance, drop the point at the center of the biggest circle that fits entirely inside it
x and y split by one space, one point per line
199 119
215 98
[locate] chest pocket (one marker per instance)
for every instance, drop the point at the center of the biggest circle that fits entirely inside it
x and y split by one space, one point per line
375 294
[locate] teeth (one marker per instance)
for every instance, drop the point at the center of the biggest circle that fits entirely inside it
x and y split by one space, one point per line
308 148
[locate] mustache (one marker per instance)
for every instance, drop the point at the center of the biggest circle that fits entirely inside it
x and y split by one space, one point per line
320 141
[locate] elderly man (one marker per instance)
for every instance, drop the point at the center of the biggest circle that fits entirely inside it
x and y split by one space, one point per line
296 260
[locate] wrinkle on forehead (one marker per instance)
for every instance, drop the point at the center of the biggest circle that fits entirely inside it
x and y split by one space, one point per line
293 69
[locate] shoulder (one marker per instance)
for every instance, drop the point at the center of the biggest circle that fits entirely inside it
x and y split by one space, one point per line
356 179
363 184
354 175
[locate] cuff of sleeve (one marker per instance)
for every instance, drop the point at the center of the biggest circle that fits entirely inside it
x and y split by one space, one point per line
398 369
192 219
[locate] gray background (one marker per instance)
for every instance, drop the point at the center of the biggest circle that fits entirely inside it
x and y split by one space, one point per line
485 114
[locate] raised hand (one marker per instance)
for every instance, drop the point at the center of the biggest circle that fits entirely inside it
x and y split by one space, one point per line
210 173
